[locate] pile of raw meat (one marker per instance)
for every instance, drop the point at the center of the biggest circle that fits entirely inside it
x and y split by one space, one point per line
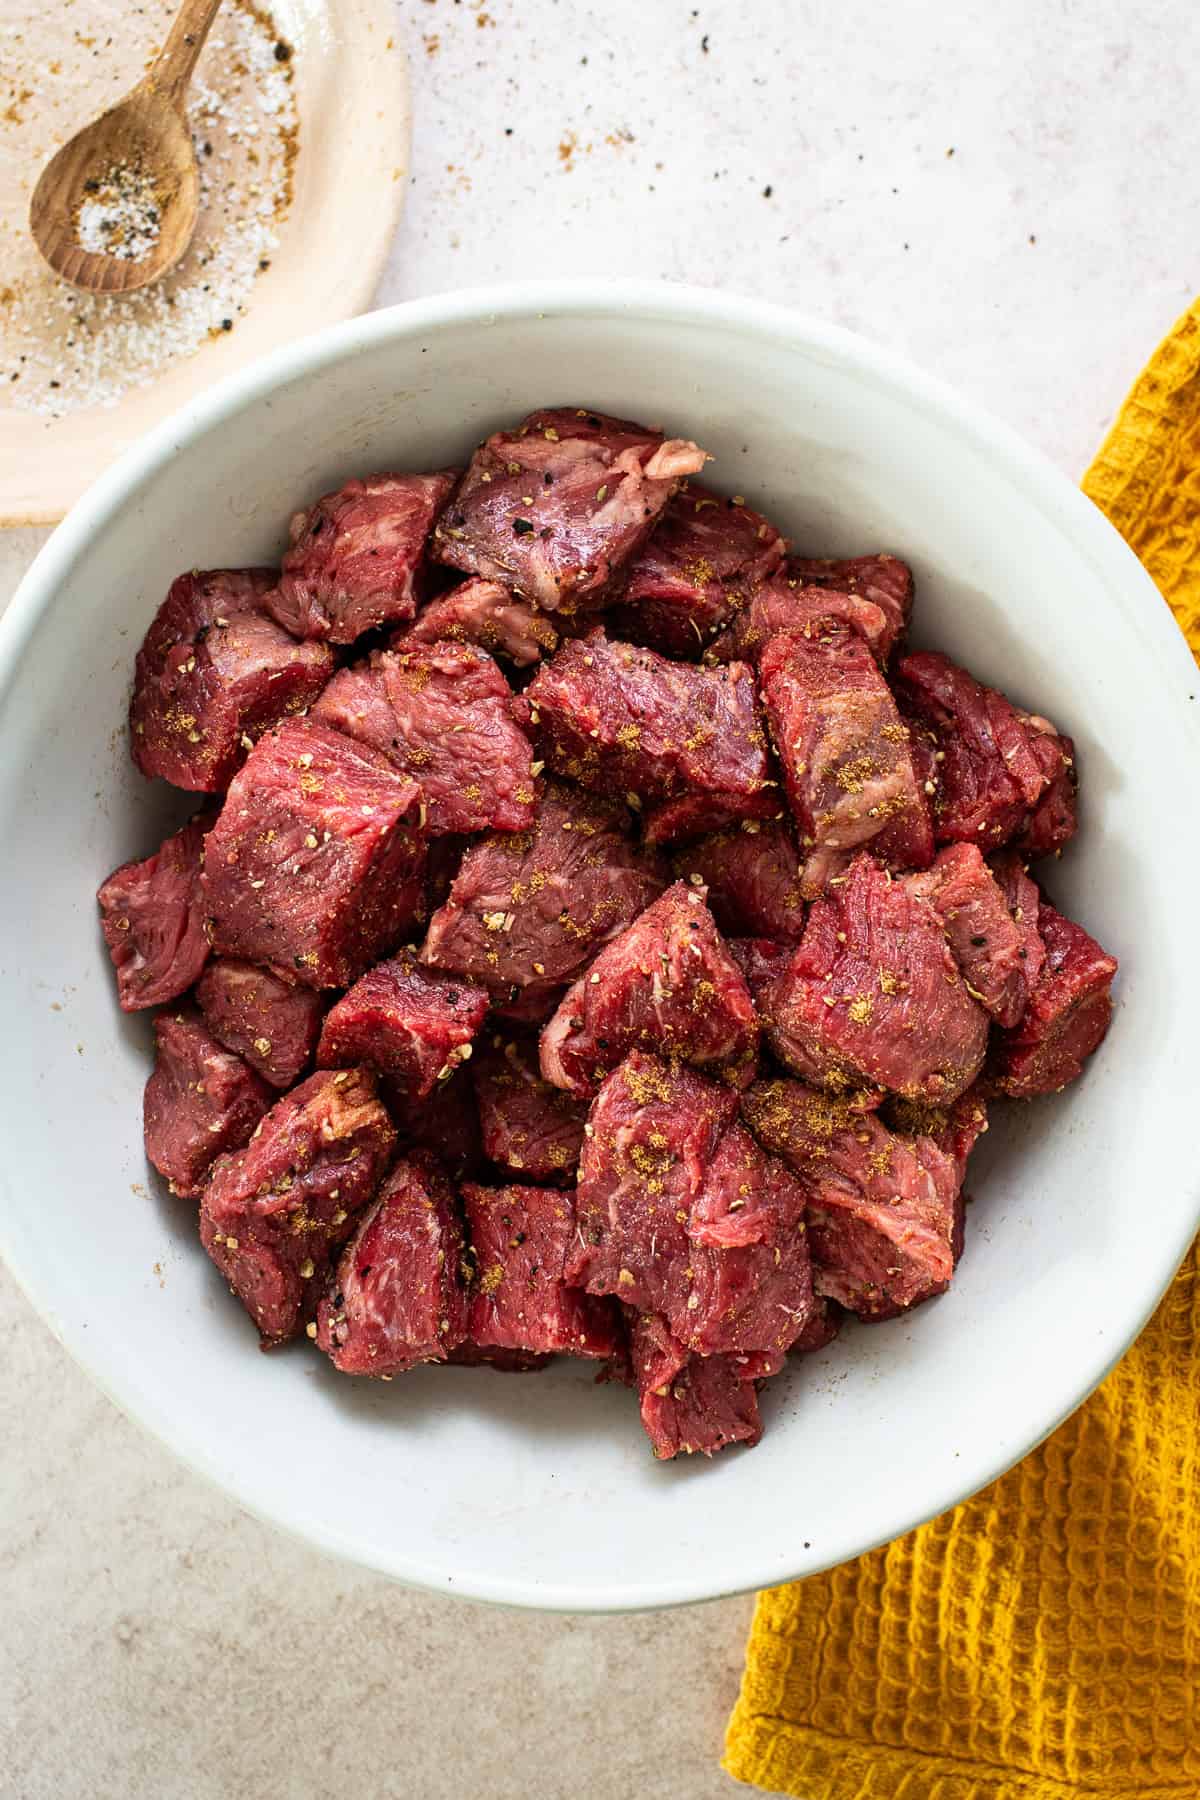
603 938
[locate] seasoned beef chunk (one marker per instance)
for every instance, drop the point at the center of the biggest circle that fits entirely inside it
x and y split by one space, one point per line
199 1101
753 879
1022 898
785 605
954 1129
554 508
985 940
883 581
491 1356
884 1211
152 918
440 714
996 763
411 1024
214 671
356 555
628 721
1069 1012
490 615
691 1403
519 1298
273 1215
872 996
668 984
531 1129
702 562
823 1326
315 863
397 1298
445 1121
263 1016
846 761
528 911
680 1213
762 962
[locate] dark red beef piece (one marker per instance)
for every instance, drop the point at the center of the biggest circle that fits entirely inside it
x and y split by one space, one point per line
1068 1016
488 614
1054 820
872 996
530 1006
263 1016
441 866
532 1130
440 713
847 765
881 580
519 1299
199 1102
152 917
884 1211
316 863
667 984
491 1356
784 605
628 721
753 879
554 508
445 1121
991 773
954 1129
356 556
702 562
692 816
823 1326
274 1214
680 1213
406 1021
762 962
985 940
528 910
1022 899
397 1297
690 1403
214 671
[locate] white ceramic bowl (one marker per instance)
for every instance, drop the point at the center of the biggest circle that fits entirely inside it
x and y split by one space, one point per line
541 1490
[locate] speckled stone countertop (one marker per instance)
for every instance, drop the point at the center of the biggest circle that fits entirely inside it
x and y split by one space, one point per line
995 190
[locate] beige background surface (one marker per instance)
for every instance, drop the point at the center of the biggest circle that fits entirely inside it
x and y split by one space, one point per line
158 1643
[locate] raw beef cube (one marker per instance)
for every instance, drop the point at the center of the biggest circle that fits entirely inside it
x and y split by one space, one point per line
628 721
214 671
316 863
531 1129
1069 1012
690 816
690 1403
846 761
680 1213
356 555
488 614
1022 899
1054 819
984 938
823 1326
491 1356
529 910
753 879
993 769
872 996
701 564
265 1017
785 605
519 1300
152 917
409 1023
554 508
200 1101
667 984
445 1121
883 581
440 714
762 962
273 1214
954 1129
397 1298
884 1211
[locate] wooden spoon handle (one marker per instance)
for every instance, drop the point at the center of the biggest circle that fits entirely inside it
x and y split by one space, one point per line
172 67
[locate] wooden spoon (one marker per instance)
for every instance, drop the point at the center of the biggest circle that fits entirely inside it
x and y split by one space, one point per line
128 182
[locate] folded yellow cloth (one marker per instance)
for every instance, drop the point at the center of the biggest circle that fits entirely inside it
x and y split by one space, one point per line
1041 1641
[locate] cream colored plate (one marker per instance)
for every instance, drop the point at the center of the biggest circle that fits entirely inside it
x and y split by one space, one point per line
134 359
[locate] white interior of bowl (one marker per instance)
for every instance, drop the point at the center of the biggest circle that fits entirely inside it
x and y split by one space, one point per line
541 1490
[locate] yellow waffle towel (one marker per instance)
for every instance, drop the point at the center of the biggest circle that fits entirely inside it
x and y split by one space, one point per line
1041 1641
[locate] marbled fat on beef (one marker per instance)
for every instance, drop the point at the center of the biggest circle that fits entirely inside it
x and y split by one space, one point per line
488 614
752 874
1068 1016
410 1023
316 863
519 1297
666 984
985 940
555 508
356 555
263 1016
200 1101
530 1129
152 917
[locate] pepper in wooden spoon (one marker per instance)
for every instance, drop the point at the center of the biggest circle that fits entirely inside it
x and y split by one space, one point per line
115 208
